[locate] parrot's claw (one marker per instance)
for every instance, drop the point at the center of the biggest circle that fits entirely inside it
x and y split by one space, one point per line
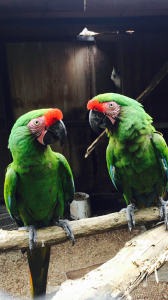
67 227
130 209
32 236
163 210
130 216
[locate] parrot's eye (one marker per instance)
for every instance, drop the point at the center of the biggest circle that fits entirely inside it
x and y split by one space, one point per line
36 122
111 105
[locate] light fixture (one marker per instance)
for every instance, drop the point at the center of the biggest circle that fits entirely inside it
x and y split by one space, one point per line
86 32
86 36
130 31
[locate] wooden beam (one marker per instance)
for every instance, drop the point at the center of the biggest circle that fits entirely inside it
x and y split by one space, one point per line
159 76
14 240
140 257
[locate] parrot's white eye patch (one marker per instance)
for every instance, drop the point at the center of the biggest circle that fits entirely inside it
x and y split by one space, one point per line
36 122
111 105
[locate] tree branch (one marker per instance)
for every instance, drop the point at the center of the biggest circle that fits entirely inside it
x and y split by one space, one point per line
95 143
159 76
14 240
120 275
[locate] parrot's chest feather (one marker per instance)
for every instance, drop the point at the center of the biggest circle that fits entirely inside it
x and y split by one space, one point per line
135 162
38 189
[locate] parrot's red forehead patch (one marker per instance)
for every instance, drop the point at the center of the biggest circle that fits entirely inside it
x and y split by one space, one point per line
53 115
95 105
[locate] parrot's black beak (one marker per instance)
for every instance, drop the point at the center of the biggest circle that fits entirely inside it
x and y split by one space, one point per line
55 132
98 119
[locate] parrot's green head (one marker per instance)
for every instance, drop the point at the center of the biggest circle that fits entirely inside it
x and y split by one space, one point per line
114 111
35 130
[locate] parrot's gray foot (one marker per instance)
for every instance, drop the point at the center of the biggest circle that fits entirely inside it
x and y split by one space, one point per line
130 216
125 209
130 209
32 236
67 227
163 210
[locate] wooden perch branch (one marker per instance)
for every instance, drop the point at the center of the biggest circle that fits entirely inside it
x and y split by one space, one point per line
120 275
95 143
159 76
14 240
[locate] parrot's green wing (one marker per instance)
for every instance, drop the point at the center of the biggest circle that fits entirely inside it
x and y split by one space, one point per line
111 173
66 187
111 168
11 179
67 179
161 150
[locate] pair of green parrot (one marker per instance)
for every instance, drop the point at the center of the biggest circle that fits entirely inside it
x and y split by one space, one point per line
39 182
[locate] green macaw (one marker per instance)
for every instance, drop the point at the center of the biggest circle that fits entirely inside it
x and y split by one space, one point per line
137 155
38 184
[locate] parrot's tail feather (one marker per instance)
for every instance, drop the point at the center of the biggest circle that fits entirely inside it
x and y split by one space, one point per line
38 264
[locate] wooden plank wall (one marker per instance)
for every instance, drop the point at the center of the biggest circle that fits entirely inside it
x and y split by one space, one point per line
41 6
66 75
4 152
62 75
75 8
143 56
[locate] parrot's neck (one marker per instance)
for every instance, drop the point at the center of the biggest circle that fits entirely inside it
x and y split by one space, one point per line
27 152
23 163
131 125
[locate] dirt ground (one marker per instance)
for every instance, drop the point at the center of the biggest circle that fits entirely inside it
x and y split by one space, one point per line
14 271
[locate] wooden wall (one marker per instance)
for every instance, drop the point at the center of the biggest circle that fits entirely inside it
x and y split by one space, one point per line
67 74
64 75
79 8
4 152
